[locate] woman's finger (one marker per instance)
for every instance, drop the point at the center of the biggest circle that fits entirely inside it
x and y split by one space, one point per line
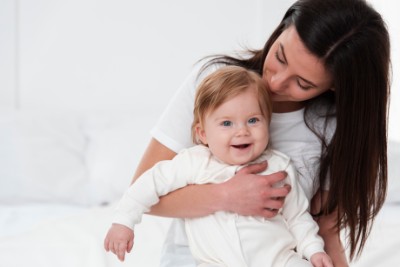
254 168
275 179
279 192
274 204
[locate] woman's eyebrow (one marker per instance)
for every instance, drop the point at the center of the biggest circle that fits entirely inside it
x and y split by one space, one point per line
283 53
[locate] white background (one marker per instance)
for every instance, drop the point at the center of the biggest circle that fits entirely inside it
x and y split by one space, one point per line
123 54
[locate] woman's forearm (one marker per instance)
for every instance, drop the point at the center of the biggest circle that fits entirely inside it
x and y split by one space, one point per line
333 243
329 232
190 202
154 153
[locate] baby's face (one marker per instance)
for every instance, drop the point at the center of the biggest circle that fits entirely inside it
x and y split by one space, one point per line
237 131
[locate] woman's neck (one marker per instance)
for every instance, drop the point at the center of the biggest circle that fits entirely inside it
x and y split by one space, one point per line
289 106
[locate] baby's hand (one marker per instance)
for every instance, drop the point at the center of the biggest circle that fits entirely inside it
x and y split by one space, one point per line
321 259
119 240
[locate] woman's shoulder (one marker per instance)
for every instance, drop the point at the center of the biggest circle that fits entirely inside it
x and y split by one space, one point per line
172 129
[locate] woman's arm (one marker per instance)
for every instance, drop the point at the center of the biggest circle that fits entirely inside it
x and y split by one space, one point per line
246 193
154 153
329 232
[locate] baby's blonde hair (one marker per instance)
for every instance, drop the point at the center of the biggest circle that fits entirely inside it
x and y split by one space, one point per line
224 84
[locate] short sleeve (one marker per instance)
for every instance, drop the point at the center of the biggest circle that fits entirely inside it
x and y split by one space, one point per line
173 128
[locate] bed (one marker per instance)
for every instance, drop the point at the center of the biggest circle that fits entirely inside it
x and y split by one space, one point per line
61 174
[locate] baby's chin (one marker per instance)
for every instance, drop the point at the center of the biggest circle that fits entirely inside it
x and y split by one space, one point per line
240 160
238 155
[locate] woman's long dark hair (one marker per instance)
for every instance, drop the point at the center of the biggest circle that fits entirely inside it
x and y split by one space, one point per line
352 40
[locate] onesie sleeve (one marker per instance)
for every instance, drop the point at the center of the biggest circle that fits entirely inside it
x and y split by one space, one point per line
164 177
300 222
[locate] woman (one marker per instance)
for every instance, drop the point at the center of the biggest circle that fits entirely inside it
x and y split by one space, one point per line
327 66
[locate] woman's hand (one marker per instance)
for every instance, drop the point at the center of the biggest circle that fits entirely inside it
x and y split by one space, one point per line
251 194
321 259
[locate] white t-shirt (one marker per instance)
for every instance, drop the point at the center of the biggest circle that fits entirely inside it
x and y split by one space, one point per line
226 238
288 134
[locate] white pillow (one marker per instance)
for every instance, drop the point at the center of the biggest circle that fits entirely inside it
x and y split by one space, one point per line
42 158
116 143
393 172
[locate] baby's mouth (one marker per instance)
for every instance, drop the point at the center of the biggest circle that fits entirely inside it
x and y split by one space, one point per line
242 146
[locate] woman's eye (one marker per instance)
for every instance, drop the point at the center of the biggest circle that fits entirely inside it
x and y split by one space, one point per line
253 120
226 123
279 58
303 86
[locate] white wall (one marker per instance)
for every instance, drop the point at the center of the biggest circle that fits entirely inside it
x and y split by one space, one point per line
392 18
101 54
83 54
7 54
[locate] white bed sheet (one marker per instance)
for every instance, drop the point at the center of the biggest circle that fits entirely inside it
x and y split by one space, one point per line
43 235
48 235
383 245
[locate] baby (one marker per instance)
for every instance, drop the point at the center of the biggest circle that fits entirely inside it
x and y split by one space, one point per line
232 112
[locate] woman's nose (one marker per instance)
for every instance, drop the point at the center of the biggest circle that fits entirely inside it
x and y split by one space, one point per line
278 82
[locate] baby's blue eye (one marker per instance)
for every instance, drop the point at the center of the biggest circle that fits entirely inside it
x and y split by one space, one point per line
226 123
252 120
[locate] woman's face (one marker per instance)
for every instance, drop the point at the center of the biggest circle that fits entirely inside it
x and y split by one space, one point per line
292 72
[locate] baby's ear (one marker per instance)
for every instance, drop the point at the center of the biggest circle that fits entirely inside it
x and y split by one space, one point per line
201 134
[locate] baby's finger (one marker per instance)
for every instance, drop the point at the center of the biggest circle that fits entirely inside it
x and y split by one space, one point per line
113 246
106 245
130 246
121 251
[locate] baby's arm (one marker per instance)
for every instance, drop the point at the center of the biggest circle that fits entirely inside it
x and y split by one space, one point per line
300 222
321 259
164 177
119 240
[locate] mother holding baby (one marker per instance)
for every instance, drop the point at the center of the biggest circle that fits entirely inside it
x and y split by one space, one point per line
327 67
